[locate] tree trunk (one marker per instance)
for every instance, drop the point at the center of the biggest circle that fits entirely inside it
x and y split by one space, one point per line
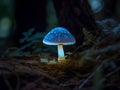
74 15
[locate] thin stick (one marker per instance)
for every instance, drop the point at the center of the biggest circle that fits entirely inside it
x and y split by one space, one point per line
109 74
84 82
18 82
7 83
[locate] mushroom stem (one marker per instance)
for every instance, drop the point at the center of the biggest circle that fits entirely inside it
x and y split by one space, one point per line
61 55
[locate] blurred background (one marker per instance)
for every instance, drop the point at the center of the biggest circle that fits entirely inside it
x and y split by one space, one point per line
18 16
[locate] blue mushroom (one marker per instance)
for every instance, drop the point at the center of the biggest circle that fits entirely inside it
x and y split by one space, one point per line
59 36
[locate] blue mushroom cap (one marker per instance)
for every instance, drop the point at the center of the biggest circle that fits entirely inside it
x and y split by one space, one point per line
59 35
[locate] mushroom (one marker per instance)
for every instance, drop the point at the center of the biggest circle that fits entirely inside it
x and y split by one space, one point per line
59 36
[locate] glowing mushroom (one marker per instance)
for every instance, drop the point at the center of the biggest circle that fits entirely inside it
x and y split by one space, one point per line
59 36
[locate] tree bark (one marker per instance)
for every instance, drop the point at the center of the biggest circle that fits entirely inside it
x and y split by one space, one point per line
74 15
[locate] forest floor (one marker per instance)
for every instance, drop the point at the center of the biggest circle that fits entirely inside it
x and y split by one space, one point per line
89 67
25 73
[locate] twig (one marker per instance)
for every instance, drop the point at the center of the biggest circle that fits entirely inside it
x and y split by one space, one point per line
7 83
28 86
34 71
109 74
80 87
84 82
26 70
18 82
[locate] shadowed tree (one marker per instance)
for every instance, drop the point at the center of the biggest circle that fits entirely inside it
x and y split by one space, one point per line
74 15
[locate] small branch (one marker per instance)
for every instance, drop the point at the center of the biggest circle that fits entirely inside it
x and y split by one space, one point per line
7 83
84 82
18 82
34 71
28 86
9 68
109 74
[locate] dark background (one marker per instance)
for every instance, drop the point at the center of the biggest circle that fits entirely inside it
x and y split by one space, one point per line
29 14
72 14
